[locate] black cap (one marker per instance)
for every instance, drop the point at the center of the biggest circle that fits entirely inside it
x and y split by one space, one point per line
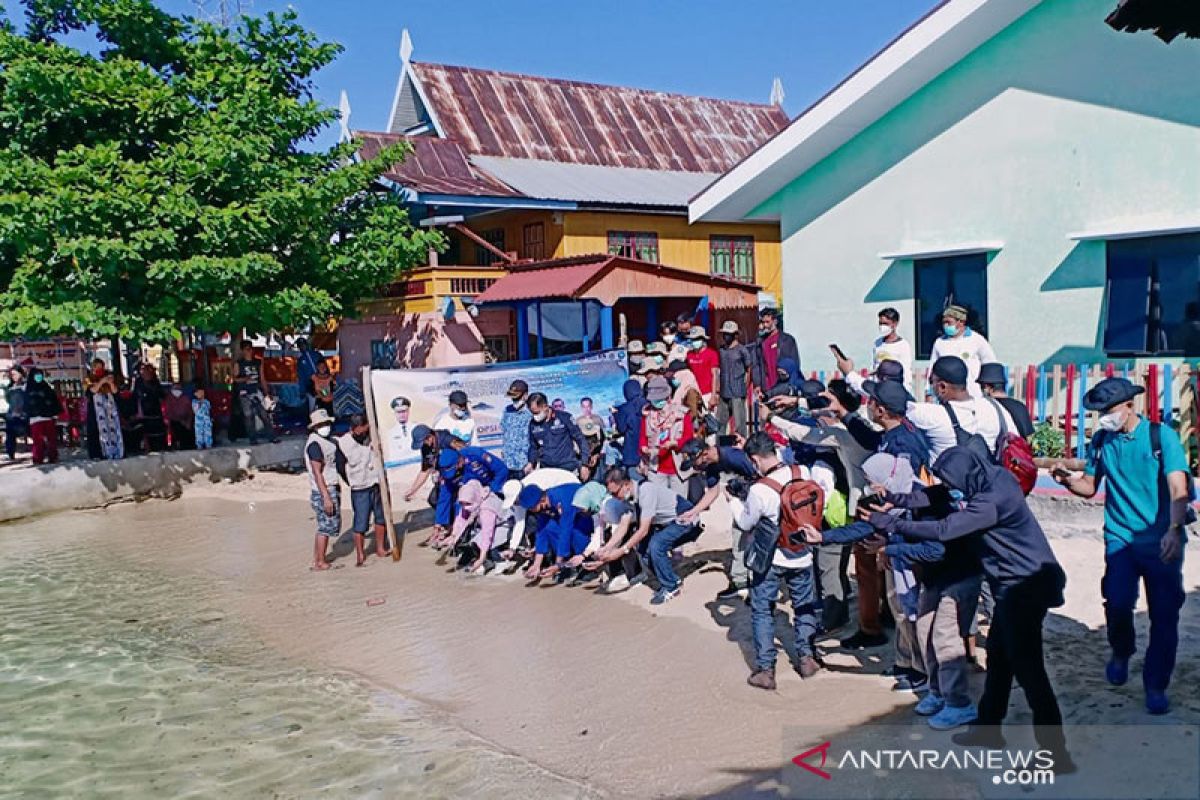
811 388
518 388
418 435
890 370
850 399
951 369
677 366
992 375
458 398
1110 392
890 394
693 448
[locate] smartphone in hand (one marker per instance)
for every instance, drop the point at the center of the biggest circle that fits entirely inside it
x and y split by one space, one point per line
837 351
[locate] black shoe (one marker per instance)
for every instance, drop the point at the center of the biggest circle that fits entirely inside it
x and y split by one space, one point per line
563 575
732 592
988 736
861 641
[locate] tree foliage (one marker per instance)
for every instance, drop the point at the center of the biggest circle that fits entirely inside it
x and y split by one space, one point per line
167 177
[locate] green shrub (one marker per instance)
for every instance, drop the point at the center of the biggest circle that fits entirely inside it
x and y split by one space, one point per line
1048 441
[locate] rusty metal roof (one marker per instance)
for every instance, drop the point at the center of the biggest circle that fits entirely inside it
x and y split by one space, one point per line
435 166
610 278
511 115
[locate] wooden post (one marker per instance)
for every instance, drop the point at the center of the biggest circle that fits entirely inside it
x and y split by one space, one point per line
385 489
1068 418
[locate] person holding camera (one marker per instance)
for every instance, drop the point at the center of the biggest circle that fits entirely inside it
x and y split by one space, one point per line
776 563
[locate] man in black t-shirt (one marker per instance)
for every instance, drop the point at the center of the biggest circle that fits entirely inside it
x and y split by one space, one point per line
251 386
994 384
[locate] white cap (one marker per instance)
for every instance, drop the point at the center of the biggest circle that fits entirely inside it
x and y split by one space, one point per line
510 490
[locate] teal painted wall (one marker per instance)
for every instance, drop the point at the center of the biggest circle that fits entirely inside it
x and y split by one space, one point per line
1057 125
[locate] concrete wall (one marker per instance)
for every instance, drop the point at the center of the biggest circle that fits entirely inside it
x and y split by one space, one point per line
27 491
1057 125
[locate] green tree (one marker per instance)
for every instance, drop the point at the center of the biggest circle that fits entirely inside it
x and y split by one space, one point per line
167 177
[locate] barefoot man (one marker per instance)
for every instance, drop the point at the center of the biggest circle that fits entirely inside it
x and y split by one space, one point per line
321 460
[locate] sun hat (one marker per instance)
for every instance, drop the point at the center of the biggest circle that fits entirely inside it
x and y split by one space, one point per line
318 418
418 435
1110 392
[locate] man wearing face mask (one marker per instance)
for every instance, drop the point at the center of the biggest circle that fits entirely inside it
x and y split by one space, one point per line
675 349
554 438
705 364
735 366
891 346
1146 505
635 355
957 417
323 462
364 474
514 427
959 340
457 419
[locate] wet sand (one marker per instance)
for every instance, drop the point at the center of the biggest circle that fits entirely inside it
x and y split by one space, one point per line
602 691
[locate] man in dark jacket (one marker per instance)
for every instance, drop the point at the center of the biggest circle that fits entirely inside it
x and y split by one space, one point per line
773 346
888 402
1025 579
43 407
16 419
554 438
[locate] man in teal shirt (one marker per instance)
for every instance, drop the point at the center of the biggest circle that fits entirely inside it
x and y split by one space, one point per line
1145 506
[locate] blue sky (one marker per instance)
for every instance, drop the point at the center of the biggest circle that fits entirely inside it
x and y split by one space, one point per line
705 47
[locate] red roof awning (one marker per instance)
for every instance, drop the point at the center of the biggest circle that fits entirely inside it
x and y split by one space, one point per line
607 279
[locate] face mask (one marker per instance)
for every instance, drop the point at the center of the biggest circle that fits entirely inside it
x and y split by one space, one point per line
950 330
763 333
636 361
176 393
658 404
698 344
39 378
885 330
727 337
541 416
1112 422
324 430
675 382
668 339
956 495
459 413
519 402
362 438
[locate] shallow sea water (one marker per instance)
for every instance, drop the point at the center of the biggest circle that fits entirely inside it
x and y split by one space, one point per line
118 682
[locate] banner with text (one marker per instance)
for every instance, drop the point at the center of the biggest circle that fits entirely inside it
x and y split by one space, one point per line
565 381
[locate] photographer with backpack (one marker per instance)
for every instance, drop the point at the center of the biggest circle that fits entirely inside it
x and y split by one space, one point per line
776 508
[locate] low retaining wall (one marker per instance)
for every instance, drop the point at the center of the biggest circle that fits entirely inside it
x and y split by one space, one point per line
90 484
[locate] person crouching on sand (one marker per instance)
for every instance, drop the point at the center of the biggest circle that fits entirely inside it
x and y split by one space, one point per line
323 462
364 474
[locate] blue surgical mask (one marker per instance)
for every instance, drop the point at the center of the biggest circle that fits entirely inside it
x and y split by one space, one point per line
950 330
658 403
39 378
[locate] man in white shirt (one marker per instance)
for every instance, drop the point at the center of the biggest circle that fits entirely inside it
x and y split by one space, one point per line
959 340
457 419
891 346
956 411
760 513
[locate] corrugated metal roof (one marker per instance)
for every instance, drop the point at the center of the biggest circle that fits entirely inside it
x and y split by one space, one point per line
528 117
590 183
435 166
610 278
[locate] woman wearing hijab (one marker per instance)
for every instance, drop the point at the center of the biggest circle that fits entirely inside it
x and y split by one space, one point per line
1026 581
104 439
43 407
627 419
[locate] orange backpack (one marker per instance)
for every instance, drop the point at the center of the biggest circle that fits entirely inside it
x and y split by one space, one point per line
801 502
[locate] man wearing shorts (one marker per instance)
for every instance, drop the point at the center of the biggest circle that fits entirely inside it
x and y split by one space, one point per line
364 475
323 462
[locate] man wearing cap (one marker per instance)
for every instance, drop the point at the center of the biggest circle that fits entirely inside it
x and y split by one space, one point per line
635 355
16 418
773 345
655 362
554 438
891 346
888 402
959 415
457 418
994 383
561 527
514 427
959 340
719 466
735 365
705 364
323 462
400 449
1146 504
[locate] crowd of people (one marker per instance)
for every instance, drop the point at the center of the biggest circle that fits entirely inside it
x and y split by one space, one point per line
927 499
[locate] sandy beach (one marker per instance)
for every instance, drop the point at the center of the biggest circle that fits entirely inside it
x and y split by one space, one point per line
601 693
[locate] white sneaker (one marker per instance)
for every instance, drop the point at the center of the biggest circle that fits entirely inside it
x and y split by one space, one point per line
502 567
616 584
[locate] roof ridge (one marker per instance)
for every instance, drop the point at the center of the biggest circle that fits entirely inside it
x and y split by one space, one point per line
574 82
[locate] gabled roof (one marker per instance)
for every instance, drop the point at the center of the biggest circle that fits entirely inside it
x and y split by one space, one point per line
509 115
592 184
609 278
1167 18
940 39
435 166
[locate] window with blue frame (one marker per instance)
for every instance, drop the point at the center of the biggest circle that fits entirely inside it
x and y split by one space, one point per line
949 280
1153 296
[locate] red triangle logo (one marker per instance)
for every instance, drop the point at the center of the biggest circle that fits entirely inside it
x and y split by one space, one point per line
802 760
